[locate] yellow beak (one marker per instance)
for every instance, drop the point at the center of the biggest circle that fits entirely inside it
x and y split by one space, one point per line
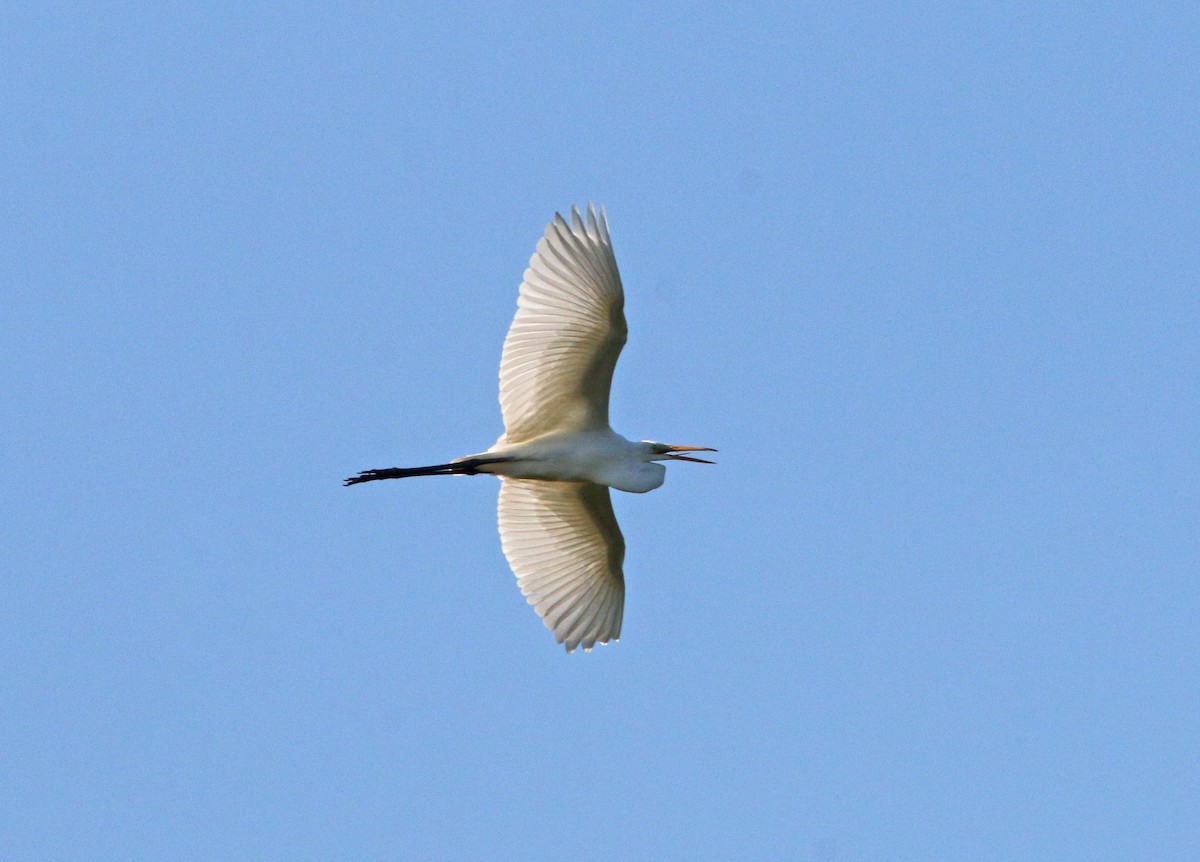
675 457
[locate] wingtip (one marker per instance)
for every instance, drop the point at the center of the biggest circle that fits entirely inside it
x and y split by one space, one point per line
571 646
592 221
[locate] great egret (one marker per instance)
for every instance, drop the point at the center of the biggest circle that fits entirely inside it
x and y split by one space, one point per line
558 456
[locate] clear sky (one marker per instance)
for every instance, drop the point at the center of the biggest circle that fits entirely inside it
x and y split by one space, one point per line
926 274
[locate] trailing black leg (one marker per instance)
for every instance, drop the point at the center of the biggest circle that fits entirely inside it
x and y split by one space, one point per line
466 467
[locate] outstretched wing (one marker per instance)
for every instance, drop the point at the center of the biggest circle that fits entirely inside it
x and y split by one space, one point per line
564 546
559 355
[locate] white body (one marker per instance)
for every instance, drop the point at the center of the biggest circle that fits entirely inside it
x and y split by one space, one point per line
603 457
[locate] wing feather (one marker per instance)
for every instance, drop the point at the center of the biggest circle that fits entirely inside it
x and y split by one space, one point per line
563 344
566 549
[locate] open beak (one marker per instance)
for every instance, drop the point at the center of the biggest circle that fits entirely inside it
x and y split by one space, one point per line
672 450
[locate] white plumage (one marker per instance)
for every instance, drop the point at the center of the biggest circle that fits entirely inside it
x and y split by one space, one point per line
564 545
558 456
562 347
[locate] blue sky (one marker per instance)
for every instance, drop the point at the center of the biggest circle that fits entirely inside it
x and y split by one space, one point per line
925 274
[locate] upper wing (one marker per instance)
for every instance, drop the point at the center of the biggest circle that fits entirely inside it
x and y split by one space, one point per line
564 546
569 329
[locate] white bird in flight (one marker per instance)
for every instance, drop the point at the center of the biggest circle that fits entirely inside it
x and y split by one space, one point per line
558 456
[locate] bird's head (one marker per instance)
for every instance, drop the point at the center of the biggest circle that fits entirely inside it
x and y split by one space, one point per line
668 452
